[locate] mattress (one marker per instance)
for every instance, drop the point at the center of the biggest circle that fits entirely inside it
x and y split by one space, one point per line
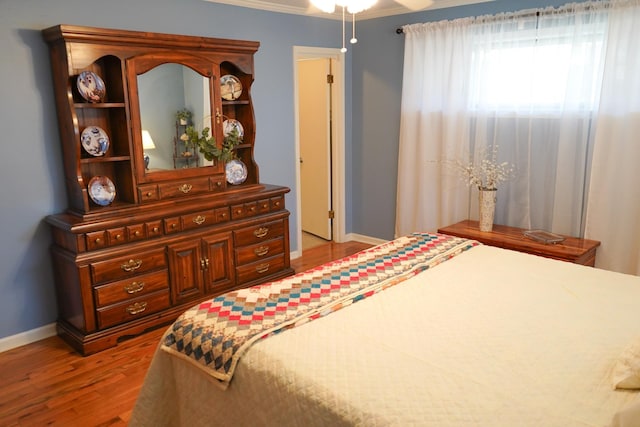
490 337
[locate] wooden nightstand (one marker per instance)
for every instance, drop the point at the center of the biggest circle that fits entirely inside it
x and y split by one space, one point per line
572 249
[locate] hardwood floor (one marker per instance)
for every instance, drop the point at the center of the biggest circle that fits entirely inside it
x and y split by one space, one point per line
47 383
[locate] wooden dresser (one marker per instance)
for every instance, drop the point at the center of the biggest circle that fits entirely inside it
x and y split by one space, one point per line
171 232
572 249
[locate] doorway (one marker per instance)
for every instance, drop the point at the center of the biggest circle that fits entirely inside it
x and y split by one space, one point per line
319 116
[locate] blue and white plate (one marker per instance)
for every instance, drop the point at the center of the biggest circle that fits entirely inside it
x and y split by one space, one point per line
101 190
91 86
94 141
236 172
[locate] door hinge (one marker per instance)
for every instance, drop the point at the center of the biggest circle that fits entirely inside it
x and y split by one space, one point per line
329 78
332 214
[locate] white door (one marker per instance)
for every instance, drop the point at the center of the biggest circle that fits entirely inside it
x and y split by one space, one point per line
314 103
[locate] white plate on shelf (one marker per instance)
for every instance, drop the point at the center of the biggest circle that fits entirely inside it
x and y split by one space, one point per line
236 171
101 190
230 87
229 125
91 86
95 141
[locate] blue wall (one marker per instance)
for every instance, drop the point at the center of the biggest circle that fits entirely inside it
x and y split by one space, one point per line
31 166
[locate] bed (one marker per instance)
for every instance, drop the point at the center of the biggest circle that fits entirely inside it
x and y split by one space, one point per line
425 330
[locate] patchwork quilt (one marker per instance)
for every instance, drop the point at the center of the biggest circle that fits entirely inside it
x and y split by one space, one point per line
213 335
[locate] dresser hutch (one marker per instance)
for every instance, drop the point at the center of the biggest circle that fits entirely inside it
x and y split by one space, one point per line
145 237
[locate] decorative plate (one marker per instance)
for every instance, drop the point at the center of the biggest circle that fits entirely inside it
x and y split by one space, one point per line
94 141
101 190
236 172
229 125
91 86
230 87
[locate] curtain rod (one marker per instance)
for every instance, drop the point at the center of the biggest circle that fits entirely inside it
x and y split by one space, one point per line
522 14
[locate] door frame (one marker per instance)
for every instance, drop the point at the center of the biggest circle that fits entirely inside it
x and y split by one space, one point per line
337 136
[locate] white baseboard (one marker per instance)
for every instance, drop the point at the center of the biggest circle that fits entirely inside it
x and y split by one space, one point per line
27 337
364 239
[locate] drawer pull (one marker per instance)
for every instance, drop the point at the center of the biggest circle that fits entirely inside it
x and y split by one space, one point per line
131 265
98 241
185 188
134 287
262 268
204 263
156 229
174 226
276 204
118 236
261 251
137 308
136 233
261 232
149 194
219 184
200 219
252 208
265 206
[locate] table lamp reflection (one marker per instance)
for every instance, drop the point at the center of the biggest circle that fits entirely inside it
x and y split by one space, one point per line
147 144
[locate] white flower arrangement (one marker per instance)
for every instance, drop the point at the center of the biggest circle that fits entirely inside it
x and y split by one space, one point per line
488 174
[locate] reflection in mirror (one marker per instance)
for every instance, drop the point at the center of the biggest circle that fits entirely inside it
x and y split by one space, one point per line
163 91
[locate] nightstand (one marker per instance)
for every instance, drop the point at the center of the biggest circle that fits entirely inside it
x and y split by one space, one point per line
572 249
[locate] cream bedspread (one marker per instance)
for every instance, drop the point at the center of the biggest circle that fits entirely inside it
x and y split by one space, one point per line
489 338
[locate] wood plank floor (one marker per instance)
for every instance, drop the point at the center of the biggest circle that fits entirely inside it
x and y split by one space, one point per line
47 383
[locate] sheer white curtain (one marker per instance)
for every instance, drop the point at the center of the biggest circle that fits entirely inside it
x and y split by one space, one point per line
433 125
613 213
549 89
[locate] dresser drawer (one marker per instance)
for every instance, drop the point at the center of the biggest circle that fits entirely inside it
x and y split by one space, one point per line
258 233
262 268
128 266
183 188
133 309
127 289
262 250
198 219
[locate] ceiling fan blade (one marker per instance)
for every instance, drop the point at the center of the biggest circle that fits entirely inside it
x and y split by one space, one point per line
415 4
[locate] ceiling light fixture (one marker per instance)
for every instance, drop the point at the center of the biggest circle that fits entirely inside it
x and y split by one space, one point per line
351 6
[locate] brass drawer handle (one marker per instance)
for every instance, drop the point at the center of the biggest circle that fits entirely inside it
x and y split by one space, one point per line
134 287
185 188
261 251
118 236
156 229
136 233
261 232
98 241
199 219
137 308
174 225
219 183
131 265
149 194
276 204
262 268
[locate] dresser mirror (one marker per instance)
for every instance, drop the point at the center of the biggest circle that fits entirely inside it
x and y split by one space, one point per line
162 88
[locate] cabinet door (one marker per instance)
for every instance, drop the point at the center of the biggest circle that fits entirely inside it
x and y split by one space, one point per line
219 273
186 265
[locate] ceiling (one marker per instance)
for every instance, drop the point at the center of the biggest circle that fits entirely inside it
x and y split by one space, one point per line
303 7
